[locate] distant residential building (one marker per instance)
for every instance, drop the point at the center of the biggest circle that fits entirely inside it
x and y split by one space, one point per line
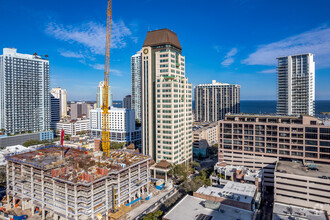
303 184
79 109
99 95
259 141
19 139
55 111
296 85
233 201
24 92
136 84
73 127
214 101
122 125
61 95
127 103
166 99
204 135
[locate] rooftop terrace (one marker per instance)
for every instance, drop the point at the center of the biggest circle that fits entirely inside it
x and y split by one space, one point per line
296 168
192 207
232 190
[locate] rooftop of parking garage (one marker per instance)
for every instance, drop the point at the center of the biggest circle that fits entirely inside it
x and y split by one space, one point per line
308 169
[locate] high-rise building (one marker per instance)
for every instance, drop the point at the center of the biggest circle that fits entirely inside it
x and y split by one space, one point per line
99 95
259 141
24 92
55 111
59 93
296 85
166 99
79 109
214 101
121 124
127 101
136 84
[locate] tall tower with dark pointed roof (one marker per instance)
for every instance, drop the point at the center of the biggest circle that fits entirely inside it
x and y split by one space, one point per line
166 99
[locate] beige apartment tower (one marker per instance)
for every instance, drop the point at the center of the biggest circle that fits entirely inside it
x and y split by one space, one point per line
166 99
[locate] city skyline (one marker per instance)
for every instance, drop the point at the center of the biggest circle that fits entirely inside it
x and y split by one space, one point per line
236 53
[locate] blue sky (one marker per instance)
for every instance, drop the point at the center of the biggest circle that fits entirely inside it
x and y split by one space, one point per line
233 41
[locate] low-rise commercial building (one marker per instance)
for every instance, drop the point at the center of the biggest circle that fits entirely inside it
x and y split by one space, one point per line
224 174
286 212
258 141
19 139
233 201
305 185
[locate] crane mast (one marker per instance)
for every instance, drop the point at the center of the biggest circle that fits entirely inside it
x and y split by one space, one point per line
105 105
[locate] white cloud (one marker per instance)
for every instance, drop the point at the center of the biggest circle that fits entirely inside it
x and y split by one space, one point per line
228 60
99 66
71 54
217 48
91 35
268 71
316 41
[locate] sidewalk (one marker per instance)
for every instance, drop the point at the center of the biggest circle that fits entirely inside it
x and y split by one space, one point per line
148 204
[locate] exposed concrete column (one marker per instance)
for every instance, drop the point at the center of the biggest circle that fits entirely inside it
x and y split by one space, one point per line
75 202
129 184
42 194
13 181
92 201
66 201
148 176
54 193
139 170
106 197
118 189
165 176
7 180
32 191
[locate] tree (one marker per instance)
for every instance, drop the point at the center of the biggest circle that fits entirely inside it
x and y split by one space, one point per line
137 123
195 164
153 215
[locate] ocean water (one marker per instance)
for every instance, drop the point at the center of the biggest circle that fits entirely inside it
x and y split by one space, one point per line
264 107
269 107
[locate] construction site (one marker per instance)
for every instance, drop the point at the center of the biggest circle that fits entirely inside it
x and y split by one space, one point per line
58 183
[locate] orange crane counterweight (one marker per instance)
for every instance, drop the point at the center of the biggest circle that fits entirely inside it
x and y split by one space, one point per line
105 105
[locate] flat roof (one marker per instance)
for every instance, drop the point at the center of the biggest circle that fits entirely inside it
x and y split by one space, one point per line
78 165
190 207
287 212
297 168
241 192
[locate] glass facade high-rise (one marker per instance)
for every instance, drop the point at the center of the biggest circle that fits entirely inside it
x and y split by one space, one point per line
59 93
24 92
136 84
166 99
99 95
296 85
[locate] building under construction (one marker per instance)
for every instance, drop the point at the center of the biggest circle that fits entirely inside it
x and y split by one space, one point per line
74 183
